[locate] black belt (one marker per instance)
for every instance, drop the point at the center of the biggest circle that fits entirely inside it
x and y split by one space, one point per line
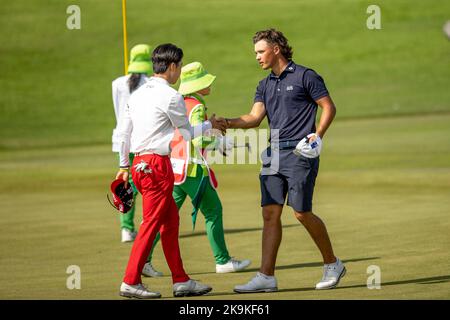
285 145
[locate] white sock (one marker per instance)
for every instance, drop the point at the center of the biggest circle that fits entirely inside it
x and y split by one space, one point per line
265 276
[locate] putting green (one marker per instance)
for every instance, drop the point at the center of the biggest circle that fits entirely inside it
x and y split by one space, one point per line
384 200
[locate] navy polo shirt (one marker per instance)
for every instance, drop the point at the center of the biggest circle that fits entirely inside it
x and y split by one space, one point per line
289 101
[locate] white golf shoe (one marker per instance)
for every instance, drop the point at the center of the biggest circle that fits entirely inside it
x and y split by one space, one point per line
128 236
149 271
137 291
232 265
332 274
259 283
190 288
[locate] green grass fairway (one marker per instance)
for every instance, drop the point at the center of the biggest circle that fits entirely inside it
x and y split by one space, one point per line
383 194
384 182
57 82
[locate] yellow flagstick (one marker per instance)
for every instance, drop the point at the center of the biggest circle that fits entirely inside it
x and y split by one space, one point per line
125 48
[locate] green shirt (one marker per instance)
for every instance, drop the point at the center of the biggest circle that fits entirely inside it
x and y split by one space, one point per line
198 116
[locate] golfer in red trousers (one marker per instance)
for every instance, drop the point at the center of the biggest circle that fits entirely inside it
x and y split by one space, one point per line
153 113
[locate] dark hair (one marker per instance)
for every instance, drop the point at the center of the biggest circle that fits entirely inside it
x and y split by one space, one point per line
133 81
275 37
164 55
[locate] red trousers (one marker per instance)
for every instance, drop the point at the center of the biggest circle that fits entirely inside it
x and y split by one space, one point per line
153 176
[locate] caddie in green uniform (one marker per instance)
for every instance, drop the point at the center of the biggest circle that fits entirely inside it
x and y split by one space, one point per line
193 177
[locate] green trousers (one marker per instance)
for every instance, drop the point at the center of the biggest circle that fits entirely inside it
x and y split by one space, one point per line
127 219
211 208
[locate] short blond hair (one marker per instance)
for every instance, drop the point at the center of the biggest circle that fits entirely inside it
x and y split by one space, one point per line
275 37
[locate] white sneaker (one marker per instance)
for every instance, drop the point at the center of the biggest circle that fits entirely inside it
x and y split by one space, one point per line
232 266
149 271
128 236
137 291
260 283
190 288
332 273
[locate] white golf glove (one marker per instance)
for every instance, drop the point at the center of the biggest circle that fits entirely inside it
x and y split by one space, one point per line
309 150
224 144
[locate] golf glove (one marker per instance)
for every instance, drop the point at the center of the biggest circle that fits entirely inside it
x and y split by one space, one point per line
309 150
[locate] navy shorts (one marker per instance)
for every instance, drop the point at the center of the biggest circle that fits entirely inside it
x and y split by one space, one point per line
295 177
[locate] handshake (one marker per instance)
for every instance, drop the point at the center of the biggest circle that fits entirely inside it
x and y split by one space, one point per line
220 126
224 144
219 123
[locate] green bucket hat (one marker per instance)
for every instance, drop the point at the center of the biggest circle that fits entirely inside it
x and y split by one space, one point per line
194 78
140 59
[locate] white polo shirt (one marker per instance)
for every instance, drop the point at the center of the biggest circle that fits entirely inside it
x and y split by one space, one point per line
152 114
121 94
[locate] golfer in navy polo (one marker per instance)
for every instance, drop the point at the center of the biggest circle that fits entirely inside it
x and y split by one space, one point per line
289 97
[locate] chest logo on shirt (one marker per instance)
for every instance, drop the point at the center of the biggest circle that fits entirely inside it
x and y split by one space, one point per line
289 88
